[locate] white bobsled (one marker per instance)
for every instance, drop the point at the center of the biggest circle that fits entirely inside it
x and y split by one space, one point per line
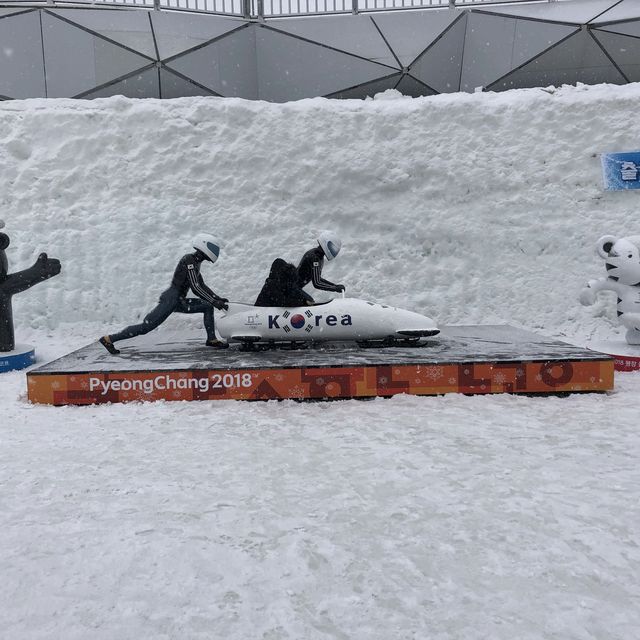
342 319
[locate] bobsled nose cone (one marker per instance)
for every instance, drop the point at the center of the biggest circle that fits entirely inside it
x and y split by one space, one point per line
413 324
419 333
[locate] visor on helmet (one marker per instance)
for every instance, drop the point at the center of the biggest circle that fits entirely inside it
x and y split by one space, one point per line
208 245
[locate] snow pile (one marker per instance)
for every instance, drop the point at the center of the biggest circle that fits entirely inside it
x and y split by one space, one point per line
444 518
468 208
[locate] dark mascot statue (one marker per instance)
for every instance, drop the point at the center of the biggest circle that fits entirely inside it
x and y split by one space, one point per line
12 283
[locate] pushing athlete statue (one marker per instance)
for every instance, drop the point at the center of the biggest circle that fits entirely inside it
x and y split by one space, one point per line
12 283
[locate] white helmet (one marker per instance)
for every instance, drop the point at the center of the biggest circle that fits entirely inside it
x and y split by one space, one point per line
207 244
330 244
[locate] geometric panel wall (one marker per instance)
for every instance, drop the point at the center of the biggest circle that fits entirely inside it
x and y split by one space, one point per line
370 88
409 35
87 52
79 60
493 40
223 65
21 60
579 58
300 68
129 29
439 65
347 33
624 52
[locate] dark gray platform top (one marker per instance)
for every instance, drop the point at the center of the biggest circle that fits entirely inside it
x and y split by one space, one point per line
456 344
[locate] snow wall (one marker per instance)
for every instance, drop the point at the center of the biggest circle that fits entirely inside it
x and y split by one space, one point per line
470 208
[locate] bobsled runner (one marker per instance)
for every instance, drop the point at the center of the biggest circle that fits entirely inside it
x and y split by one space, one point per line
345 319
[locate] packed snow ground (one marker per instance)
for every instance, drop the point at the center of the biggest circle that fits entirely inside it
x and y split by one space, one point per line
445 518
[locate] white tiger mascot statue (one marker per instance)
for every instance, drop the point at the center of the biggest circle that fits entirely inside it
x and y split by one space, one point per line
622 260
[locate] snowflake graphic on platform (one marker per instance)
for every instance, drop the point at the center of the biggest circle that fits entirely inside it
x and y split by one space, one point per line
499 378
434 372
296 392
452 380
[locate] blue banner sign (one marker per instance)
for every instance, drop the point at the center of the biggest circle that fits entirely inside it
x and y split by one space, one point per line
621 170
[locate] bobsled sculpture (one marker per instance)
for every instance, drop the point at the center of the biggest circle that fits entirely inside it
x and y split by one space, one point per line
622 261
342 319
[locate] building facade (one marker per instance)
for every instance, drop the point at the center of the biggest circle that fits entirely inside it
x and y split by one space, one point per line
83 52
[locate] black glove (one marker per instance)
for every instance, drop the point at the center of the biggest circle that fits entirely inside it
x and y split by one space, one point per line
221 303
47 266
340 288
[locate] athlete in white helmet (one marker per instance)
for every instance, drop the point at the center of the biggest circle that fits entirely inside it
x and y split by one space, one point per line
310 267
174 299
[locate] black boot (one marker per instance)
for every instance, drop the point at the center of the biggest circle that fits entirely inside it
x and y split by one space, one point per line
105 341
217 344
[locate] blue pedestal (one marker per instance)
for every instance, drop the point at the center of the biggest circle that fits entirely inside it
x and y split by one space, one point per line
21 357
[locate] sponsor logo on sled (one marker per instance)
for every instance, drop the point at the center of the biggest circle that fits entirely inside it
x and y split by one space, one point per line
252 321
298 321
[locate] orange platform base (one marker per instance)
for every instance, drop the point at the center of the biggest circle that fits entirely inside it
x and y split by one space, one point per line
469 359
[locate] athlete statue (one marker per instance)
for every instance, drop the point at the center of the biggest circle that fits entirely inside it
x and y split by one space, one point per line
12 283
174 299
310 267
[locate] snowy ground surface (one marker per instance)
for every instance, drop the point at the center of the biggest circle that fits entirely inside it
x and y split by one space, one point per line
451 517
413 518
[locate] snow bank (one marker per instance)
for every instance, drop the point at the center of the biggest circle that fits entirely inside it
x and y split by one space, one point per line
469 208
444 518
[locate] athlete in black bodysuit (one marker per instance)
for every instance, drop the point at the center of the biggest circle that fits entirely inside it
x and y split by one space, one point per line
174 299
310 267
